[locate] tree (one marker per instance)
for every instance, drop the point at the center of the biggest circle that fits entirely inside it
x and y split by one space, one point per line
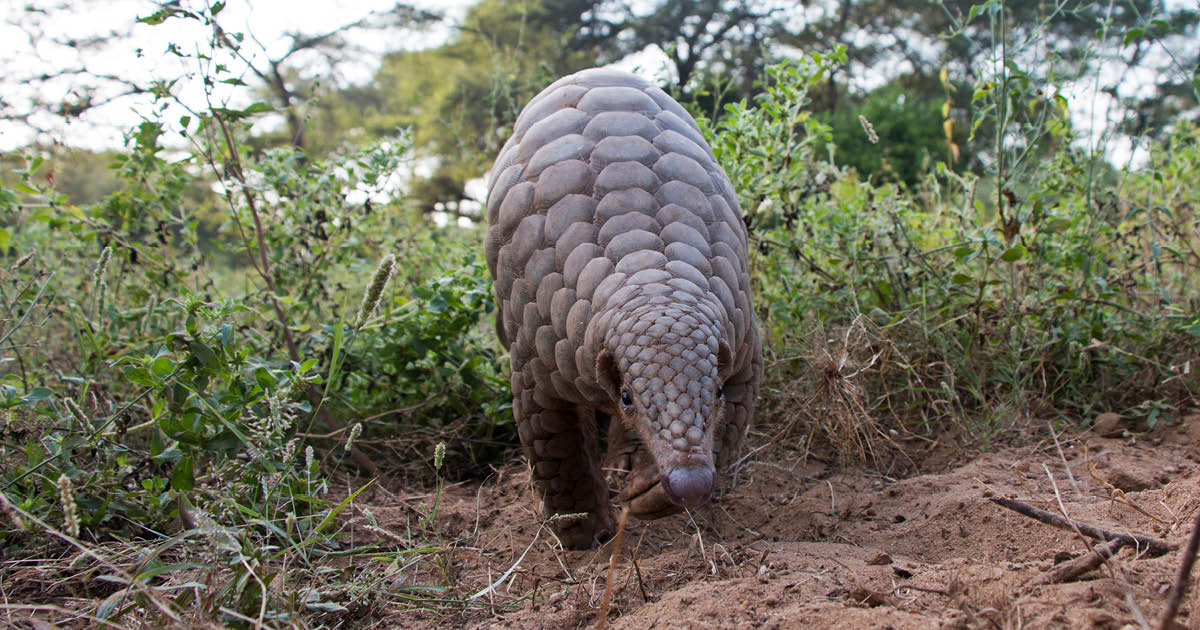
55 77
461 97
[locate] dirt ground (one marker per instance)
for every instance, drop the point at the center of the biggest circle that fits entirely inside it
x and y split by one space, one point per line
806 544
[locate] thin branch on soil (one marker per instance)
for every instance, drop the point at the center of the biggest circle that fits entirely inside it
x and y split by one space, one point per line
920 589
66 612
1123 580
494 585
606 602
1181 581
1063 457
1063 510
1068 571
641 584
1131 603
1153 546
1115 494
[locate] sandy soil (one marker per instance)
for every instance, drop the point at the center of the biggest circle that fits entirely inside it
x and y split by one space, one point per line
805 544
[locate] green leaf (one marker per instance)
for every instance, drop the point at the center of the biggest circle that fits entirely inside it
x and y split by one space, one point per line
961 278
1057 225
182 477
264 379
37 394
156 442
338 510
203 353
162 367
982 91
976 10
141 376
158 17
335 360
238 114
325 606
1133 34
1014 253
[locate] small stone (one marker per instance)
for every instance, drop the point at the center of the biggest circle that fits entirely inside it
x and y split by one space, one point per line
1109 425
1130 480
879 559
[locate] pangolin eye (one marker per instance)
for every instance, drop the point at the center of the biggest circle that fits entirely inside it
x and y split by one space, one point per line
626 400
720 392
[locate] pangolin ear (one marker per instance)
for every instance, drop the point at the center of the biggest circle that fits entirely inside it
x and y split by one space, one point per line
607 375
724 360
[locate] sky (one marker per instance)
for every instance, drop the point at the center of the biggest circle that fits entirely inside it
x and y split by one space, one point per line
142 56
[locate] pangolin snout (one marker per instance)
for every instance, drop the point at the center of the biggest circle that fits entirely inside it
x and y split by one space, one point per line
689 487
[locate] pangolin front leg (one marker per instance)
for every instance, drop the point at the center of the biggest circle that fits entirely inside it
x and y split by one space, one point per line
561 445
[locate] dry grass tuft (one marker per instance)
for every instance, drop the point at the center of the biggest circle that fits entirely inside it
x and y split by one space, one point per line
830 400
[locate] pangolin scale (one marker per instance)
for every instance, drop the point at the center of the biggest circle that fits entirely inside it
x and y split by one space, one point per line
618 252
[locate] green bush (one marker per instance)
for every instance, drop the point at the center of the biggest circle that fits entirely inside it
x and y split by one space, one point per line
184 360
1057 295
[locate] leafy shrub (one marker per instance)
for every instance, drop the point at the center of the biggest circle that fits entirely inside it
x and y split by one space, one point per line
175 352
972 302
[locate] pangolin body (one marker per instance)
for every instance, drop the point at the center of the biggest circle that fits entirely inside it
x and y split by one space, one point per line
619 257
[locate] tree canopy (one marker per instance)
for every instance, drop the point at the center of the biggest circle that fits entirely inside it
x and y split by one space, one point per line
459 97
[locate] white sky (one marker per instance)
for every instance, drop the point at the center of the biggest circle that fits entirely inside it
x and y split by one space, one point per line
267 21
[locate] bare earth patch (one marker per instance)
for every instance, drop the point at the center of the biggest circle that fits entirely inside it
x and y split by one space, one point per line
806 544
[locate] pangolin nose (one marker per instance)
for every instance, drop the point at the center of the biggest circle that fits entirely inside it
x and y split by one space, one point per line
689 487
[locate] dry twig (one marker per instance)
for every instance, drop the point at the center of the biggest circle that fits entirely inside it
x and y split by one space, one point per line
1181 581
1068 571
606 602
1153 546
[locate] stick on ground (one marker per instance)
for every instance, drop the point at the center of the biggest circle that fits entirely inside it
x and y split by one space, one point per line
1153 546
1181 581
1068 571
606 601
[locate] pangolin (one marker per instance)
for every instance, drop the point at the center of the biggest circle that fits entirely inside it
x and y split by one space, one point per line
618 252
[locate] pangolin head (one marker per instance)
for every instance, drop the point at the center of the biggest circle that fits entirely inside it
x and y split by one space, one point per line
663 366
